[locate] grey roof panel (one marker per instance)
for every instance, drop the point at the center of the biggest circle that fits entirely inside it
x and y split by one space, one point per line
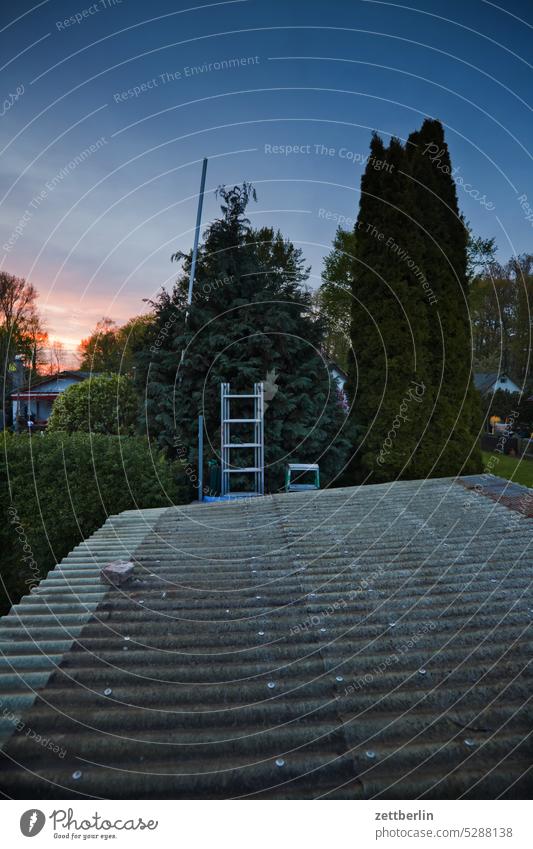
364 642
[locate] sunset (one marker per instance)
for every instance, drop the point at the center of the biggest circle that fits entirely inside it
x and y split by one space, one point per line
101 151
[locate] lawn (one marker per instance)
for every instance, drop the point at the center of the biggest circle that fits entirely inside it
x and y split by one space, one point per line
519 471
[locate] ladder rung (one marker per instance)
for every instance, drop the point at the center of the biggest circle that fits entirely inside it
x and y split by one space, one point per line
242 445
227 421
242 396
238 471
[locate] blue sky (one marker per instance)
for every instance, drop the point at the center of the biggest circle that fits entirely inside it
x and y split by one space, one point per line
106 117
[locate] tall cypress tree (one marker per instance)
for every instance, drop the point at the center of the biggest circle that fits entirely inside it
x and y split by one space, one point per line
389 383
414 406
251 320
444 237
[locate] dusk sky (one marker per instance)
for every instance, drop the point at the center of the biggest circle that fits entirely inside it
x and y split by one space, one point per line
106 117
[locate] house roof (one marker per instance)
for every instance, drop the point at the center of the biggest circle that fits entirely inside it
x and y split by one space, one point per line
349 643
484 381
42 382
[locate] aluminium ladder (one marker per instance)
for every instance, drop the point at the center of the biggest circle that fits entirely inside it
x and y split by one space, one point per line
228 443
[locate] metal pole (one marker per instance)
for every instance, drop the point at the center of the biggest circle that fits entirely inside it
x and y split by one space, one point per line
200 458
194 252
197 232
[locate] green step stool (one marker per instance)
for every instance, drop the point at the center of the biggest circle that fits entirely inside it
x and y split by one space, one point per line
299 468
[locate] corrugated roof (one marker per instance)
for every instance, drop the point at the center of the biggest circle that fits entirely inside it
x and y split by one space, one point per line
352 643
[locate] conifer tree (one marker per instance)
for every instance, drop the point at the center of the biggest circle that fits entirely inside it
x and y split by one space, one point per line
415 410
456 418
334 297
251 320
389 385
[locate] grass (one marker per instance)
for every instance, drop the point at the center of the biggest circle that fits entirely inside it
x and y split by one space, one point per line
511 468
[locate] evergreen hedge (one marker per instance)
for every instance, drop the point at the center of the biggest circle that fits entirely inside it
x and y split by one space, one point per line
105 403
57 489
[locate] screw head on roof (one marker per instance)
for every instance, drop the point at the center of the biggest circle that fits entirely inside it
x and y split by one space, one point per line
141 601
422 671
339 678
370 754
271 685
323 630
280 762
127 638
76 775
261 633
470 743
392 624
108 691
258 596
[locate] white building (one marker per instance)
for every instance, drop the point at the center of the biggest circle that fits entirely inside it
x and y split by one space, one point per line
36 399
490 382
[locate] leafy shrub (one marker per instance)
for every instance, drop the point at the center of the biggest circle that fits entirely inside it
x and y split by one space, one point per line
57 489
106 403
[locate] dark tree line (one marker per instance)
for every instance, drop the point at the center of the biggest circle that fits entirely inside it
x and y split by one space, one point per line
22 338
501 298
